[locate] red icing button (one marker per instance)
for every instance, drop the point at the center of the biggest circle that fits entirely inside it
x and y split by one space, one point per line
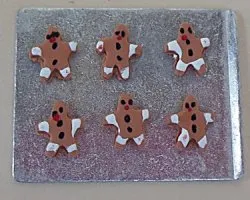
126 107
184 37
56 117
119 38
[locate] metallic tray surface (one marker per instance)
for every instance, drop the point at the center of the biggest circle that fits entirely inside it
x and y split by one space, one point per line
152 82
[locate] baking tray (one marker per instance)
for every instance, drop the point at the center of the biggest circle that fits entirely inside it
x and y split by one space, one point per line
152 82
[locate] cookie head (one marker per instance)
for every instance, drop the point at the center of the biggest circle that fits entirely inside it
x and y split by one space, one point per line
125 102
53 35
185 32
121 32
59 111
190 104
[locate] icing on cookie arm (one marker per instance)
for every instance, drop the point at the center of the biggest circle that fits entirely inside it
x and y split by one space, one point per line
205 42
36 51
100 46
73 46
43 127
208 117
111 119
76 124
145 114
174 47
174 119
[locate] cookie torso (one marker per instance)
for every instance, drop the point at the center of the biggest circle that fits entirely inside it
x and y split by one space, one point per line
130 123
191 48
56 55
194 122
117 53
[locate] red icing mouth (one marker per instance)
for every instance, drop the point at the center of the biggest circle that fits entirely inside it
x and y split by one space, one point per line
119 38
190 109
126 107
52 40
184 37
56 117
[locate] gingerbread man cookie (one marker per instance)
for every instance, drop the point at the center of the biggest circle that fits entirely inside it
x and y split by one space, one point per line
192 123
128 120
61 130
118 52
53 55
188 50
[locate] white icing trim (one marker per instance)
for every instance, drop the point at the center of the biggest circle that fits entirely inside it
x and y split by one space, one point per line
208 117
111 119
73 46
205 42
71 148
132 49
121 140
175 47
203 142
100 43
125 72
184 137
52 147
138 140
45 72
36 51
108 70
145 114
181 66
65 72
43 126
175 119
75 124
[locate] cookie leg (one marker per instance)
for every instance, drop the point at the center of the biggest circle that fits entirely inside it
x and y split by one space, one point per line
124 73
72 149
138 140
184 137
107 72
52 149
202 70
45 72
121 141
65 72
200 66
203 142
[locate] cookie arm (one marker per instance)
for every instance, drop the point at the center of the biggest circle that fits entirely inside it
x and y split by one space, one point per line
43 127
135 50
100 47
205 42
208 117
73 46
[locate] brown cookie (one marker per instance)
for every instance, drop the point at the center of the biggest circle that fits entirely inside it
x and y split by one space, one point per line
128 120
118 52
192 123
61 130
53 55
188 50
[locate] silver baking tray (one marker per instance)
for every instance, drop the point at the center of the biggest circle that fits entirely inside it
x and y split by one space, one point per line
152 82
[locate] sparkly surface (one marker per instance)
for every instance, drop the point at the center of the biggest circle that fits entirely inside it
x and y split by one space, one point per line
155 87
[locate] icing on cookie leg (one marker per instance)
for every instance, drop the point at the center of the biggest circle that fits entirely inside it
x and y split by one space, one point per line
45 72
203 142
65 72
71 148
120 140
138 140
184 137
52 147
125 73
